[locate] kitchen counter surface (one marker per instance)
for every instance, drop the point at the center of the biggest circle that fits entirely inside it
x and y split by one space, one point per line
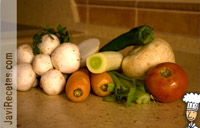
35 109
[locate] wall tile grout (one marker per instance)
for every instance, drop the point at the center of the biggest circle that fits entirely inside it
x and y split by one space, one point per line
104 6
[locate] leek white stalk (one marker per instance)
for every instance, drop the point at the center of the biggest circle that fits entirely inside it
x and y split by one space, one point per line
104 61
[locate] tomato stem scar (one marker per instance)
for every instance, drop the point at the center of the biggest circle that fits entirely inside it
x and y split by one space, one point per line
165 73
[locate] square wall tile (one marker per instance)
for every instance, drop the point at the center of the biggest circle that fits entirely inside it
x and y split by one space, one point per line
109 16
81 1
175 22
82 11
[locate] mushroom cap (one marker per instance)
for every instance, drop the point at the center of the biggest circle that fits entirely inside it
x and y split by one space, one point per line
42 63
24 54
48 44
52 82
25 76
66 58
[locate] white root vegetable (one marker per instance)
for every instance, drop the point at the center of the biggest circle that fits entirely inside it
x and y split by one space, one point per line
52 82
141 59
25 54
48 44
88 47
66 58
42 63
25 76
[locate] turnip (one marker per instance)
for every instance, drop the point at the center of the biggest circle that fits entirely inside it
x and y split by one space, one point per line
25 76
52 82
142 58
66 58
42 63
88 47
25 54
49 43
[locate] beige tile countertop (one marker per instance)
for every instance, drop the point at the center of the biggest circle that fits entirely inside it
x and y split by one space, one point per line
35 109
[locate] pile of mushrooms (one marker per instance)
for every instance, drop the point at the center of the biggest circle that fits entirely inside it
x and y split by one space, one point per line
52 65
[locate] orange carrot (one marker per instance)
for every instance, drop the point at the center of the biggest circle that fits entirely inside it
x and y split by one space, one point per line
99 83
78 85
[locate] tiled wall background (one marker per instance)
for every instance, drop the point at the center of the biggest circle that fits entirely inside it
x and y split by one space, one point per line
180 17
42 12
169 16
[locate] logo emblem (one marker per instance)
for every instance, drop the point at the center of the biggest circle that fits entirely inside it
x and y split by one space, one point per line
192 100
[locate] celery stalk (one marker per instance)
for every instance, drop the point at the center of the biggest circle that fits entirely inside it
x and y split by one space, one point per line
141 97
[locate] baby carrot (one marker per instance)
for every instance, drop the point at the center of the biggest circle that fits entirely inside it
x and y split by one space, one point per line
100 83
78 85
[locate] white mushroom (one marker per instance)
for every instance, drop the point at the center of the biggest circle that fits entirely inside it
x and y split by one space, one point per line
25 76
66 58
25 54
48 44
52 82
42 63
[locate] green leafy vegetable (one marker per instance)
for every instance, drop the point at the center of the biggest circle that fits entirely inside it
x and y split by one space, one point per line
111 87
61 33
142 97
110 98
36 50
125 88
131 95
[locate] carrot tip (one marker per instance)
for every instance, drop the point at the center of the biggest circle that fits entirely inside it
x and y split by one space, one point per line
104 87
78 92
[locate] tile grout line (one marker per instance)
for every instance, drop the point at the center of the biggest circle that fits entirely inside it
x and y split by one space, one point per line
105 6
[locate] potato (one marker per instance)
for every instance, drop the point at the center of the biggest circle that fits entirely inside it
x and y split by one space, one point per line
142 58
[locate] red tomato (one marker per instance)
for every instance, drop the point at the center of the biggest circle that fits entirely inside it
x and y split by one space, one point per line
167 82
